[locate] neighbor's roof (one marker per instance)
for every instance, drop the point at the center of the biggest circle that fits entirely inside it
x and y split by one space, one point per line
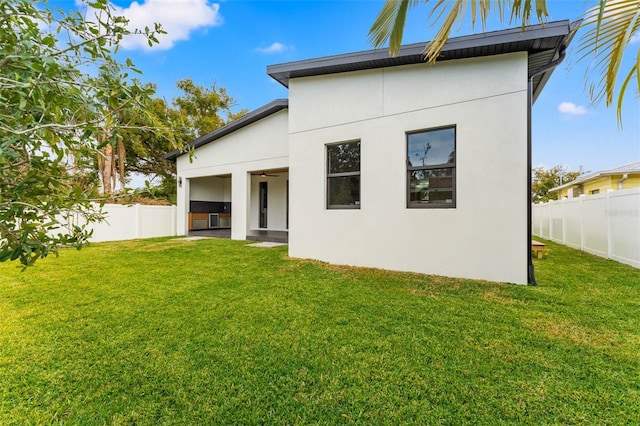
631 168
542 42
245 120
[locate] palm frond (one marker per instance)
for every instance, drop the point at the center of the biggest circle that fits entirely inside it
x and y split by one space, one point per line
455 15
610 28
389 25
623 88
541 10
637 66
521 10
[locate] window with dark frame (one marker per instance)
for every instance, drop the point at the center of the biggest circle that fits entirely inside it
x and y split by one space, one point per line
343 175
431 168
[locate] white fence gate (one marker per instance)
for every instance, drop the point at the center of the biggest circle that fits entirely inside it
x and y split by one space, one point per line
606 225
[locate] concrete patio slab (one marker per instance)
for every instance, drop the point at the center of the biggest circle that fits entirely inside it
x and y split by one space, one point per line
194 238
266 244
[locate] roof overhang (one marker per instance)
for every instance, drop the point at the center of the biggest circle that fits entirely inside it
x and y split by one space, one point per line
245 120
569 184
593 176
543 44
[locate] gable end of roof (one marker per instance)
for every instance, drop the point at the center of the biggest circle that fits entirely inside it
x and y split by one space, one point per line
245 120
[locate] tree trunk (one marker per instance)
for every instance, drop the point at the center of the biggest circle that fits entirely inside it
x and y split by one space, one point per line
107 170
122 155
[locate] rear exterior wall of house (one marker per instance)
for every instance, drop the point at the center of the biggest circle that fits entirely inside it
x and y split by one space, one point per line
483 99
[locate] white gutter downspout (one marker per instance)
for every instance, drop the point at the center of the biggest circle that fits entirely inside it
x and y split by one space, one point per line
624 177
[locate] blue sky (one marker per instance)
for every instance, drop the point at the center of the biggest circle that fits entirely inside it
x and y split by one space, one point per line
230 43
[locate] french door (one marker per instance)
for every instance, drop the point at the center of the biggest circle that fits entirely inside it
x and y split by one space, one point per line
263 205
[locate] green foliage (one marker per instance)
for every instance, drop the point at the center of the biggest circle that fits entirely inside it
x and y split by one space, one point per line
148 132
250 336
205 109
154 129
608 31
53 103
544 180
151 132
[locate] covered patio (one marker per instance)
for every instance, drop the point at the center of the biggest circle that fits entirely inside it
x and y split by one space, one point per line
236 183
263 217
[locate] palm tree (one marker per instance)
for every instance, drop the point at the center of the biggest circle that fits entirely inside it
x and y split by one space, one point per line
609 29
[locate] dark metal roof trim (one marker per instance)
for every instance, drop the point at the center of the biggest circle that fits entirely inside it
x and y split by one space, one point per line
545 60
535 39
245 120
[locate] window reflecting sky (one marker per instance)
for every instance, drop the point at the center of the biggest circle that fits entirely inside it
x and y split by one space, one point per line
432 147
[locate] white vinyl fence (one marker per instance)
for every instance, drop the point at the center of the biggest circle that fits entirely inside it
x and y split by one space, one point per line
606 225
127 222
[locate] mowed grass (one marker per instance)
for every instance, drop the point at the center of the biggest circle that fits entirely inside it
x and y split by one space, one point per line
165 331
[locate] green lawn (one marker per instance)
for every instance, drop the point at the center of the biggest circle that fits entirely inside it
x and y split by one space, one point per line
212 332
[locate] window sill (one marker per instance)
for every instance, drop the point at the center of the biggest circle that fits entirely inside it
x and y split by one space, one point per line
345 207
432 206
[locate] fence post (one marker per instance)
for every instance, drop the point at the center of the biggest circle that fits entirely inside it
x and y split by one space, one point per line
551 219
138 220
564 223
581 198
542 212
607 213
174 220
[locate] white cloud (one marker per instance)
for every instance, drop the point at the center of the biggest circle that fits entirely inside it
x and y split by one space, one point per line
177 17
635 38
275 48
571 108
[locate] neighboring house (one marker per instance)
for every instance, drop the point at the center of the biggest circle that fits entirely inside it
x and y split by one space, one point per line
387 162
621 177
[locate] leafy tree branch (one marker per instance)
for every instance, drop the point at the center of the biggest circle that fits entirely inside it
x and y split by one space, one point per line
52 106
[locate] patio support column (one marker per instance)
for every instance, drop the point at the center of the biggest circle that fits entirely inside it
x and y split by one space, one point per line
182 215
240 193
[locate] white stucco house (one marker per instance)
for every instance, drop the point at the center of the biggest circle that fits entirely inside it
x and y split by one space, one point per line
387 162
